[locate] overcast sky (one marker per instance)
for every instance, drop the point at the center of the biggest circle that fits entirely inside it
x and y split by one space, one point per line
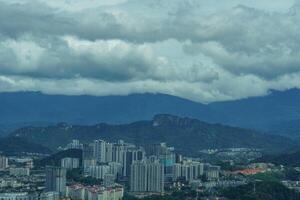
203 50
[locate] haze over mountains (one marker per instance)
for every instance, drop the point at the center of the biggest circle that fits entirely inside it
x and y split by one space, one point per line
277 112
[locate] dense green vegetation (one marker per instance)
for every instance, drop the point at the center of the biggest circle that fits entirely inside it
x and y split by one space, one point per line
16 145
176 131
286 174
289 159
292 174
55 159
76 175
185 193
268 176
265 190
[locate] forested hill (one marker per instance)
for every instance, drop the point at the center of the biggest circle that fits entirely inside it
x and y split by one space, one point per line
185 134
16 145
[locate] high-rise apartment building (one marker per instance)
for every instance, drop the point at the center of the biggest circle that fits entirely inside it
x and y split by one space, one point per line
147 176
3 162
75 144
189 170
98 171
56 180
132 154
70 163
100 150
109 152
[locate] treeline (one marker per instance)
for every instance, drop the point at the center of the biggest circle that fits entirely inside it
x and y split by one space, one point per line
264 190
289 159
55 159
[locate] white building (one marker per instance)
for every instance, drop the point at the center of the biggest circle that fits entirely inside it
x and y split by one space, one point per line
76 192
80 192
212 172
14 196
189 170
101 193
109 152
98 171
147 176
21 171
70 163
3 162
87 164
100 150
49 196
56 180
75 144
115 168
10 182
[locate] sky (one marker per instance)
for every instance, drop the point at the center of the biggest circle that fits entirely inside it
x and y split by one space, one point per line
202 50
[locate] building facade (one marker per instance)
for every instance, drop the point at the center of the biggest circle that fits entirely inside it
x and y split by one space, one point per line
147 176
56 180
70 163
3 162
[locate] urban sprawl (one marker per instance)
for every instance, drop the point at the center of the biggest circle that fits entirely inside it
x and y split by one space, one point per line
108 171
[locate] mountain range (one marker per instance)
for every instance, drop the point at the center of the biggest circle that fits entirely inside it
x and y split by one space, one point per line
278 112
187 135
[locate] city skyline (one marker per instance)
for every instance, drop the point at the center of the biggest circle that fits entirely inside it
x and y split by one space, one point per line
149 100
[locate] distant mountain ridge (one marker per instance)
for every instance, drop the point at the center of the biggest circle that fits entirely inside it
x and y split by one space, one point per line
27 107
260 113
287 128
186 135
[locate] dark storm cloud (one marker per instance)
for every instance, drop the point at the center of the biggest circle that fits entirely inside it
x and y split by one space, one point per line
197 49
250 41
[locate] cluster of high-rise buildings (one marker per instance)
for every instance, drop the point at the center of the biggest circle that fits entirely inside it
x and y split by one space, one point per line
101 157
147 168
190 170
116 166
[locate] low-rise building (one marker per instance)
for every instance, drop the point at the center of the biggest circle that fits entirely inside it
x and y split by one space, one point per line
20 171
212 172
49 196
80 192
16 196
76 192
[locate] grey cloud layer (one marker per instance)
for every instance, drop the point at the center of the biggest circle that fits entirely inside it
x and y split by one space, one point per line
196 49
252 41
